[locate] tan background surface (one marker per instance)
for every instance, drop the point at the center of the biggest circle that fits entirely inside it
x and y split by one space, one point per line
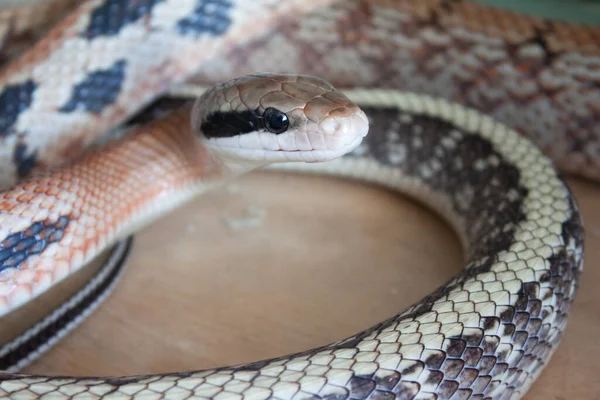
317 260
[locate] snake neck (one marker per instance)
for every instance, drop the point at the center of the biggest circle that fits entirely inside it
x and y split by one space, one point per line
106 195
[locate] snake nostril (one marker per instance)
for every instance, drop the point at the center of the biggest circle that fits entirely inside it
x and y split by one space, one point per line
331 126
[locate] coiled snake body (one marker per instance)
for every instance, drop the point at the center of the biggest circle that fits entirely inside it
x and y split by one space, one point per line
485 334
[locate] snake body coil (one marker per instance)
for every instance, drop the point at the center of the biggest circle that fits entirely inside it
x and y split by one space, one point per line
485 334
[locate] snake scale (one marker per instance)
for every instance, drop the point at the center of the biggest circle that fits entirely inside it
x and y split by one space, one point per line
469 109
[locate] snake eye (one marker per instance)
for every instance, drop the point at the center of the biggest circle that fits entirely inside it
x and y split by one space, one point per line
275 120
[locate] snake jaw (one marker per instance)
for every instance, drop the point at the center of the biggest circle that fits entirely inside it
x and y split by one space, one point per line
263 156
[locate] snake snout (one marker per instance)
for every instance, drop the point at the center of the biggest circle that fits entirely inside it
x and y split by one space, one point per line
344 127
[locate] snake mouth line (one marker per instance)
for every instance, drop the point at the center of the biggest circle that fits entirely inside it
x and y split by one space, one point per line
282 155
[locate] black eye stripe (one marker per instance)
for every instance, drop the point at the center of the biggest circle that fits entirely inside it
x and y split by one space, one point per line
229 124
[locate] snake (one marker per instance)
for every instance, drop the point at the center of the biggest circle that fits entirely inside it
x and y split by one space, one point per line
472 110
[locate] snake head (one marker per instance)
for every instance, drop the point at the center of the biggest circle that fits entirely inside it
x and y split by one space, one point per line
274 118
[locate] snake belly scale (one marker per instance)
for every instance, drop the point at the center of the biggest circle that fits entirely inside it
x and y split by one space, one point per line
485 334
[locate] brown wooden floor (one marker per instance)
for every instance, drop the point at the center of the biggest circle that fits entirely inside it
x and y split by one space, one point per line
316 260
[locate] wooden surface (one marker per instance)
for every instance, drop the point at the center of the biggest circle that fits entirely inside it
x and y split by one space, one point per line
314 260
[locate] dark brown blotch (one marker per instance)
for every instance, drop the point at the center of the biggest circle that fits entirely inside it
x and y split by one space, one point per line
37 247
508 330
433 377
435 360
15 99
473 337
486 364
531 290
17 247
521 303
463 394
472 355
534 307
491 324
418 365
407 390
490 344
382 395
468 376
98 90
547 311
387 382
455 347
557 283
14 260
504 351
55 236
521 319
545 277
24 244
110 17
10 241
533 326
507 314
453 367
361 388
447 389
337 396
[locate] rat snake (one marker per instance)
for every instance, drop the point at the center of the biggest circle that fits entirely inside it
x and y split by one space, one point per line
487 333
